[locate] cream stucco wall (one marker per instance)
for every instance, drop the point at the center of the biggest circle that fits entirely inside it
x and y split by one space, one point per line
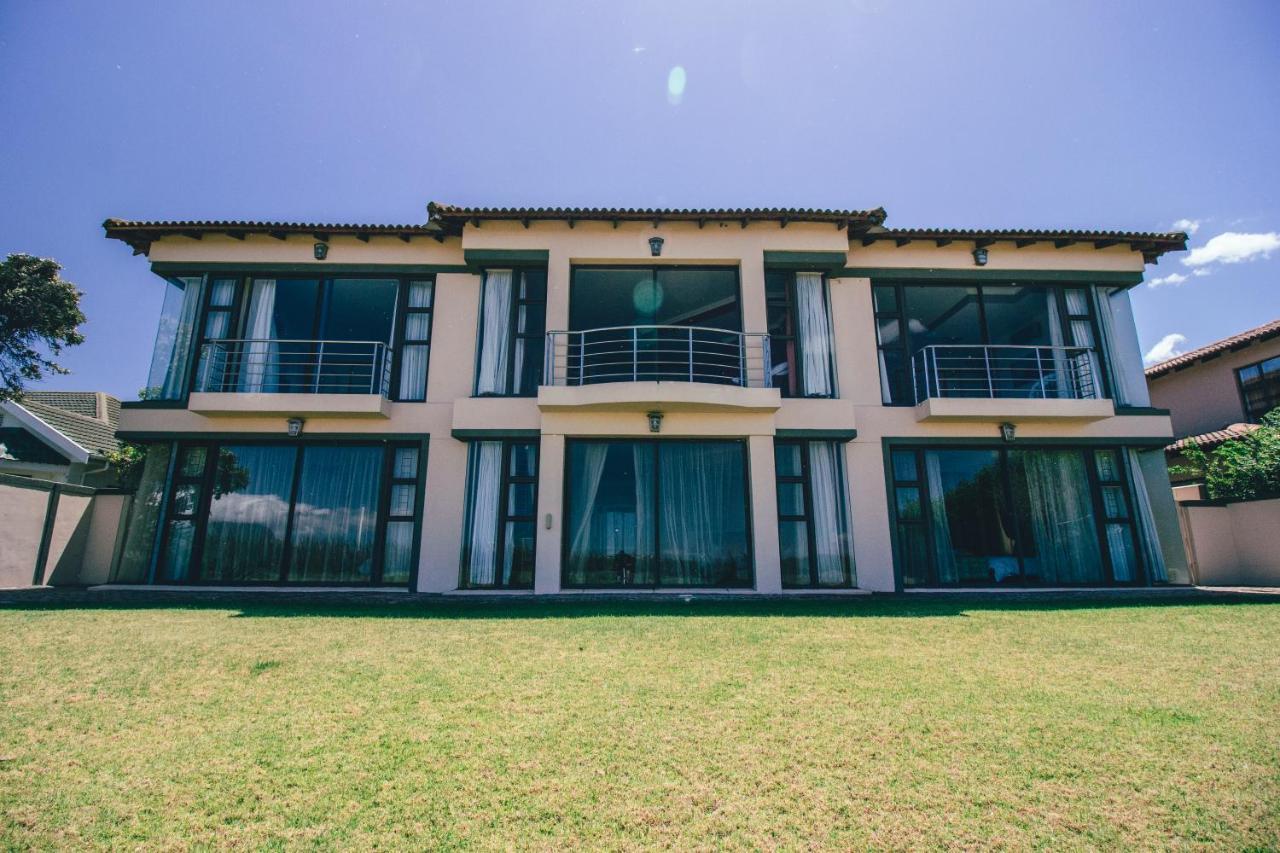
1206 396
450 414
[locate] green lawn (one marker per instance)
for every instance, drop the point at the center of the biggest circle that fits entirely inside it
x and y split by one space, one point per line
625 725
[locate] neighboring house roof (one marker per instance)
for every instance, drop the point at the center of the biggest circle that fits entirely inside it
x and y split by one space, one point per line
1152 244
19 445
140 234
452 218
1210 440
1236 342
79 424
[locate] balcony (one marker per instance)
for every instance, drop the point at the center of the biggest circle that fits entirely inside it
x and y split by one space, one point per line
292 377
977 382
675 367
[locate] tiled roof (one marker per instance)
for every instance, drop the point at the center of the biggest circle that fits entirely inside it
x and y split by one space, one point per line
452 218
77 402
96 435
1247 338
140 234
1152 244
1209 440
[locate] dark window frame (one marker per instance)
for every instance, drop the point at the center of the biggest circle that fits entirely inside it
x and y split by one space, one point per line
925 522
654 269
750 583
201 518
507 480
805 481
787 305
903 345
1250 415
514 336
399 341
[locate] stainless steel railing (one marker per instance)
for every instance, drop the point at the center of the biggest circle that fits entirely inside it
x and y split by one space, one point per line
1004 372
294 367
657 353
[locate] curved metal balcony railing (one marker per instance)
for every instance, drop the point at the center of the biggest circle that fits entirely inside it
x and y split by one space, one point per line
657 354
1005 372
294 367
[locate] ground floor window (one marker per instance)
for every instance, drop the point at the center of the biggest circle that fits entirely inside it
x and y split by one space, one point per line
502 501
812 527
300 513
991 516
656 513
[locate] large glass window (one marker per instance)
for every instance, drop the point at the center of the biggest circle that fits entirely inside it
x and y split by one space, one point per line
799 334
415 340
502 501
812 527
513 310
979 517
289 513
171 358
654 324
1260 387
1006 341
656 513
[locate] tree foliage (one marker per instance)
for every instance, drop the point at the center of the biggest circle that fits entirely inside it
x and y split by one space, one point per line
1242 469
39 315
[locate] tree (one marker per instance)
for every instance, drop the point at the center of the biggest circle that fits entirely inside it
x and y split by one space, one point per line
39 314
1242 469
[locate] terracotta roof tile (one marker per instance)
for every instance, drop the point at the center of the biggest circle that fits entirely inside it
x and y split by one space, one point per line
1209 440
1255 335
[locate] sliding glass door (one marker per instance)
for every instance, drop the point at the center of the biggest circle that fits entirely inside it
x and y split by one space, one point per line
656 513
993 516
300 513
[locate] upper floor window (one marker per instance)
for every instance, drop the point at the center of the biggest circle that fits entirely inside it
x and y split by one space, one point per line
1260 388
513 312
995 341
171 358
799 334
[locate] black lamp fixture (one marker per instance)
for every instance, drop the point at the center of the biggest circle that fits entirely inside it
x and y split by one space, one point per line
980 256
655 421
1007 431
655 246
321 251
294 426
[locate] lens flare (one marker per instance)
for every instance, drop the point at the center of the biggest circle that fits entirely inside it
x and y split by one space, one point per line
675 85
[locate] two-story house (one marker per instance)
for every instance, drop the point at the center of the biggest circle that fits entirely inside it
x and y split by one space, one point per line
551 400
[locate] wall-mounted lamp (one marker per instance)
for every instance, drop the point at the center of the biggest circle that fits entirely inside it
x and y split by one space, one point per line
980 256
655 421
321 251
1007 431
295 427
655 246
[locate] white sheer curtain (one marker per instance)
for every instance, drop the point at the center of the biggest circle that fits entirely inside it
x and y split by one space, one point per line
827 487
413 372
1062 519
814 329
335 516
1061 384
1147 534
697 497
258 361
495 345
486 485
1123 390
940 526
586 487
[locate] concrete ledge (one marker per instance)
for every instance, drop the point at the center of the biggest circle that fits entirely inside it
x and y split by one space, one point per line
285 405
1018 409
669 396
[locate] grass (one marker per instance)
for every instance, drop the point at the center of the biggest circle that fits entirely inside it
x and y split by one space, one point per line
624 725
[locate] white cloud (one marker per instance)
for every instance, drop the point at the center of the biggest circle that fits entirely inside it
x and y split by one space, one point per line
1201 272
1171 278
1191 226
1232 247
1167 347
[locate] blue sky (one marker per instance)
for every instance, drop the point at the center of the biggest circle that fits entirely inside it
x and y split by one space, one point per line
1128 115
